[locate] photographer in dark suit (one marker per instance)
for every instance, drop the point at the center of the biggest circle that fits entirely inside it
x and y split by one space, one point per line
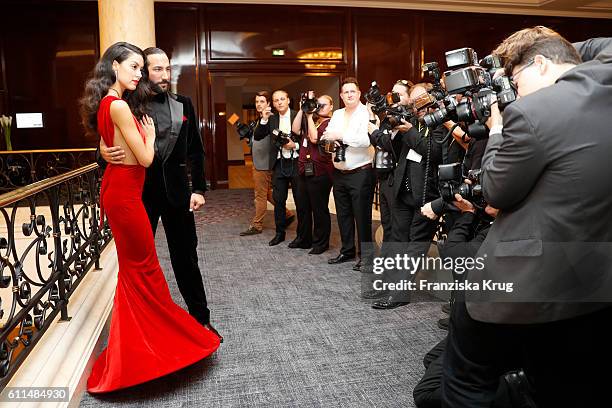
413 183
166 191
283 159
544 168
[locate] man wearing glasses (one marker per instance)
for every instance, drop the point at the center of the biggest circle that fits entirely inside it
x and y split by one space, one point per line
545 168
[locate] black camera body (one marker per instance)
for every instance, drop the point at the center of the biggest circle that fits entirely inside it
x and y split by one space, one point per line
245 131
309 105
280 138
451 182
473 80
388 107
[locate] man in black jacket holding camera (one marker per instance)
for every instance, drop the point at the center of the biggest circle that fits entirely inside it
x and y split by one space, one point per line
284 161
413 183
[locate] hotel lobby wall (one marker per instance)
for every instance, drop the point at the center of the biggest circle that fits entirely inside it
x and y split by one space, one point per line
48 49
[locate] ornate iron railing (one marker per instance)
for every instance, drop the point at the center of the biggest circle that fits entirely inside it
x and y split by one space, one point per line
19 168
43 260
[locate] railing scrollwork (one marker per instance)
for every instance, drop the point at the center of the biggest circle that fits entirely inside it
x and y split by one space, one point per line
49 239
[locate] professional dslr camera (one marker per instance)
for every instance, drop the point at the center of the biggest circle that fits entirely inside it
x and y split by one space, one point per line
330 146
388 108
309 105
451 182
471 90
280 138
244 131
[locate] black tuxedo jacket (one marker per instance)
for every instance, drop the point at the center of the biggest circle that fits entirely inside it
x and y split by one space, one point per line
183 144
549 174
265 131
418 142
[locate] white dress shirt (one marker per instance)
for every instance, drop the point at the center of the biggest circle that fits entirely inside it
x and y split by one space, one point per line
284 125
354 131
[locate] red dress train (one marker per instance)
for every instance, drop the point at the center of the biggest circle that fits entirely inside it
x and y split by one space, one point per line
150 336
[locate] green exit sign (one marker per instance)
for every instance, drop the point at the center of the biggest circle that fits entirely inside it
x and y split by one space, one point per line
278 52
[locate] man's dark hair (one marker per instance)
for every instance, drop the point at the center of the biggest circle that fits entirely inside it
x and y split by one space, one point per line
522 46
265 94
350 80
151 51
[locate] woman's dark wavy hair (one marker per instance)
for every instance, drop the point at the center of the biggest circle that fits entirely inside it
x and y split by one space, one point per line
101 80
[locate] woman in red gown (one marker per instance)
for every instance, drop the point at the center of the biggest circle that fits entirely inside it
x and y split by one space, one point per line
150 336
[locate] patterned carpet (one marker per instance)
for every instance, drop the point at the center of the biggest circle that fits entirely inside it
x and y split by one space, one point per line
296 332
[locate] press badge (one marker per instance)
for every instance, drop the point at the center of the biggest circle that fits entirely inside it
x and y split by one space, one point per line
414 156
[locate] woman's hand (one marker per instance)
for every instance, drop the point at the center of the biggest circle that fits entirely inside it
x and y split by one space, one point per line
149 127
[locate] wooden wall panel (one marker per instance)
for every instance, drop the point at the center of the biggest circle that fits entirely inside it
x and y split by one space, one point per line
49 50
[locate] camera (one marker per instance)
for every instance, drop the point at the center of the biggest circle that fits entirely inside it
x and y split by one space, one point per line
244 131
309 105
331 146
451 182
280 138
388 105
473 80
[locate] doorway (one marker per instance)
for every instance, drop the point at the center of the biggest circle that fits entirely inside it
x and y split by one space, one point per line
234 93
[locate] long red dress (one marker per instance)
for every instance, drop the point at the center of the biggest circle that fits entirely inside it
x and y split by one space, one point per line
150 336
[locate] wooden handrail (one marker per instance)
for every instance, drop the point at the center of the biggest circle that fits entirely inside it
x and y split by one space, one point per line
84 149
31 189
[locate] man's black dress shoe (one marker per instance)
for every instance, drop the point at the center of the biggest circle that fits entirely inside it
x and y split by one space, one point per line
317 251
278 238
212 329
446 308
357 266
341 258
298 243
388 304
443 323
374 294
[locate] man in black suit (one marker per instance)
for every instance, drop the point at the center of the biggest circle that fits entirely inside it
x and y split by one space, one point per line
545 168
284 161
413 183
166 191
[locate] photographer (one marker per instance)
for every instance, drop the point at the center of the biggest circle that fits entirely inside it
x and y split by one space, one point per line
353 175
264 157
284 157
414 182
544 172
389 145
315 170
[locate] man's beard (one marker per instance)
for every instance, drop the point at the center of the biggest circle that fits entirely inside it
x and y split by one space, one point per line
158 89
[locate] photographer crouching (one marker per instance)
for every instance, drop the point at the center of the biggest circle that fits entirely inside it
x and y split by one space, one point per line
542 169
315 169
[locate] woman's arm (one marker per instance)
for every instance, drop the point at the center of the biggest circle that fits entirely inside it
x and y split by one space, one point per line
123 118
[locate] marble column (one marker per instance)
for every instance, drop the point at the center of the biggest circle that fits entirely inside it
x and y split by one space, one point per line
126 20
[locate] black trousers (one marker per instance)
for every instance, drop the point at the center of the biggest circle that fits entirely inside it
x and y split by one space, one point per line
285 176
566 360
385 199
179 226
427 392
353 194
314 193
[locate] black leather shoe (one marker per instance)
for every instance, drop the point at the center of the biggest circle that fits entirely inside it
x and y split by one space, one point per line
388 304
443 323
357 266
317 251
340 258
289 220
212 329
278 238
446 308
298 243
374 294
